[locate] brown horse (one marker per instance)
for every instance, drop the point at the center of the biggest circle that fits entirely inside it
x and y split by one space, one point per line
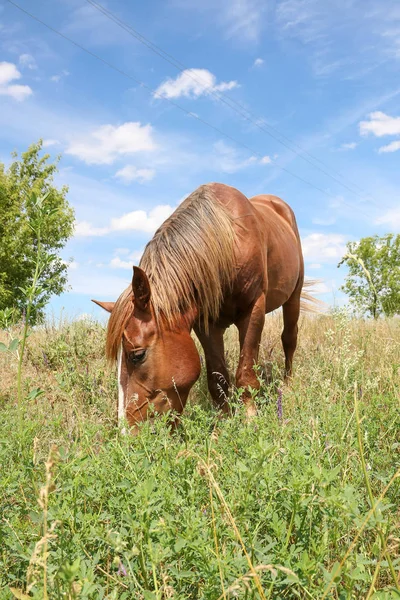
219 259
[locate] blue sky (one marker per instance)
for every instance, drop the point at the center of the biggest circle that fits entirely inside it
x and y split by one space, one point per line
325 75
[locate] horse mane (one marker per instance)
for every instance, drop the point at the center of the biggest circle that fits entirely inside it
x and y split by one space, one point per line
189 262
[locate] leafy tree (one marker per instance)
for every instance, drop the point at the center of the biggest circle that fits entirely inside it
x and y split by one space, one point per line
373 280
21 183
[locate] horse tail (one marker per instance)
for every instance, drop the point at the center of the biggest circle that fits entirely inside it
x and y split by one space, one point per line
308 302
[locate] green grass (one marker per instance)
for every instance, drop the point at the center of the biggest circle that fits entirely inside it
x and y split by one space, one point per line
220 508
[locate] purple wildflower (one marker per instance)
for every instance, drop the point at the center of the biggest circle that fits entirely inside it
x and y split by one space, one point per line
45 359
121 569
279 408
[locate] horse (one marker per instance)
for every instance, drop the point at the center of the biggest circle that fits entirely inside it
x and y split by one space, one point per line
219 259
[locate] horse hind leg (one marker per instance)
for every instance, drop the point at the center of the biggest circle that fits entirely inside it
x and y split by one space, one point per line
291 313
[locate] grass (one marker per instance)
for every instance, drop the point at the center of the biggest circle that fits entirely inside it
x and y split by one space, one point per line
303 504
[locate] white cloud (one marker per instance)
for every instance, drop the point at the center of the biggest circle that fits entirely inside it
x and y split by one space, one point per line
258 62
9 73
137 220
380 124
50 142
84 317
131 173
193 83
86 229
59 76
118 263
140 220
132 259
392 147
349 146
137 255
314 266
349 42
391 218
92 26
27 60
243 20
72 265
227 159
299 19
322 68
323 247
103 145
337 202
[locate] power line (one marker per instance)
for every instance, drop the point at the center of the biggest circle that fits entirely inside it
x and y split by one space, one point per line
173 103
228 101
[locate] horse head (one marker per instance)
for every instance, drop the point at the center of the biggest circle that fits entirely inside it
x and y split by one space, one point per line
157 362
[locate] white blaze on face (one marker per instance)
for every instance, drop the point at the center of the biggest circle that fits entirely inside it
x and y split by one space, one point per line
121 395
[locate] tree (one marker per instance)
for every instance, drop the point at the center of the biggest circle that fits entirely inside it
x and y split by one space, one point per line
373 280
21 183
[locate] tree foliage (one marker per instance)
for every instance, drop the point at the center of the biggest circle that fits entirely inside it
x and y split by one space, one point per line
28 177
373 280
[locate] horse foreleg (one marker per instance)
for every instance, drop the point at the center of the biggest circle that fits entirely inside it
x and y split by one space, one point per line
250 330
291 312
217 372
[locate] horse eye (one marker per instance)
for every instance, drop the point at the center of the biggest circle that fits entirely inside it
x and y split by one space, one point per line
137 356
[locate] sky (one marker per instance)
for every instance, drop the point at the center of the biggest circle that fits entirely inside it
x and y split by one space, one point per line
297 98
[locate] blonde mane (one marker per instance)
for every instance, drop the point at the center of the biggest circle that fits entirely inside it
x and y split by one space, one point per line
189 262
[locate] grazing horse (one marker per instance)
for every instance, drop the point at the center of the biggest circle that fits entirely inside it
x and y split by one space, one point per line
219 259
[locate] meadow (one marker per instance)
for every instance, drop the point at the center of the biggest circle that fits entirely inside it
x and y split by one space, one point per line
302 502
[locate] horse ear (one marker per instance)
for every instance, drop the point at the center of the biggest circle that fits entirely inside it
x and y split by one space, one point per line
140 288
108 306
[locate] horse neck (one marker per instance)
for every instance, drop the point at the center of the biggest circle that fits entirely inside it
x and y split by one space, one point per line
189 318
183 322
